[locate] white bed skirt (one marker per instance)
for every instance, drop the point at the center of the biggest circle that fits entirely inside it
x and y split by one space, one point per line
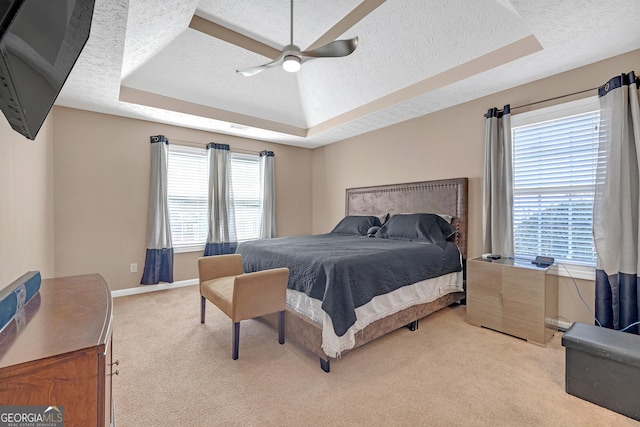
379 307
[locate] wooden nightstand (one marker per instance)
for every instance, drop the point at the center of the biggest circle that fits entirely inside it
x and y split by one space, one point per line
514 297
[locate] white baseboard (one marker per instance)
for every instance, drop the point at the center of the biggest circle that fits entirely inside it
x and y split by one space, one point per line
152 288
563 325
559 324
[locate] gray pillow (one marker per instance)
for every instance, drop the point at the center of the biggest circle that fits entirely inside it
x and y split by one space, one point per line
372 231
421 227
356 225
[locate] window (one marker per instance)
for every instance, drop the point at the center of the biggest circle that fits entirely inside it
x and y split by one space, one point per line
555 154
188 194
246 195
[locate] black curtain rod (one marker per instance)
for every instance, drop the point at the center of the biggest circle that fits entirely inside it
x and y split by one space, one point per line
204 145
557 97
499 111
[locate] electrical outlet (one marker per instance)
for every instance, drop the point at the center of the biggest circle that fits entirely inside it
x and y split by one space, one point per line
133 268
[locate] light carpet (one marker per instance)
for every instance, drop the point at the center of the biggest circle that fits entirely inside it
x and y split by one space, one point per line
175 371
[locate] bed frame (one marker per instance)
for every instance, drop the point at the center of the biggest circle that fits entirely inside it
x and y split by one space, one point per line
446 196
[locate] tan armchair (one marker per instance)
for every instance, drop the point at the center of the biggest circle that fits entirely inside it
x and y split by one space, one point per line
242 296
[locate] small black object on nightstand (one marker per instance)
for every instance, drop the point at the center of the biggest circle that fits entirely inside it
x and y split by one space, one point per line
542 261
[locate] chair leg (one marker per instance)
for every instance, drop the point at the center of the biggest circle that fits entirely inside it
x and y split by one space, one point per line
236 340
203 302
281 327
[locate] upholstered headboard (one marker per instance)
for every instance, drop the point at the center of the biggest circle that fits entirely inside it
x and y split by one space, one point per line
445 196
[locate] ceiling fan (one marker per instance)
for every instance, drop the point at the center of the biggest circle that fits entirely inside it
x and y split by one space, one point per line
292 58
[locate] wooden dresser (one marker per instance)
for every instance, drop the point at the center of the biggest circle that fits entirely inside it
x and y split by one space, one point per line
58 352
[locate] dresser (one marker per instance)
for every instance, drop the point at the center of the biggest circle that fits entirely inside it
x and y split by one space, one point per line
514 297
58 351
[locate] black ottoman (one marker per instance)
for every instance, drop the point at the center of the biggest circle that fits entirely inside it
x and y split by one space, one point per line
603 367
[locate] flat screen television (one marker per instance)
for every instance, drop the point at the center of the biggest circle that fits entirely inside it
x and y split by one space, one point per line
40 41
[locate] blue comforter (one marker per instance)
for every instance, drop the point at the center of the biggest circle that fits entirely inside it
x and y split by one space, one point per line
345 272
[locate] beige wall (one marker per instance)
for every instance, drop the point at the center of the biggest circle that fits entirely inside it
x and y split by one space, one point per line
26 202
96 196
446 144
102 189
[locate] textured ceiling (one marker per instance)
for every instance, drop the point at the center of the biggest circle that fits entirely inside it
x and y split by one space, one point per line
143 60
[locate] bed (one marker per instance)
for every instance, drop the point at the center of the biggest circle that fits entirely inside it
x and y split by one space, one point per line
342 294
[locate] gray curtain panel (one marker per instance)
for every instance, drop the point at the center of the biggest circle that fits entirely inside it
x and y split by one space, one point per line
616 211
221 238
267 195
158 265
497 207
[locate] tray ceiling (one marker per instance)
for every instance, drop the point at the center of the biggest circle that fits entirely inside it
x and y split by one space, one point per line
175 61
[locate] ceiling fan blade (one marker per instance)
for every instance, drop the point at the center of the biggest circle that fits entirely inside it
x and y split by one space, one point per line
334 49
218 31
250 71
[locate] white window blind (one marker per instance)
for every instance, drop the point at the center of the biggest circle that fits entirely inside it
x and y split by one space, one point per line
188 192
554 167
246 195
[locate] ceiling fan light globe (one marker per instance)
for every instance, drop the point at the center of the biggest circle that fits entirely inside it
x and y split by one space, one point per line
291 63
